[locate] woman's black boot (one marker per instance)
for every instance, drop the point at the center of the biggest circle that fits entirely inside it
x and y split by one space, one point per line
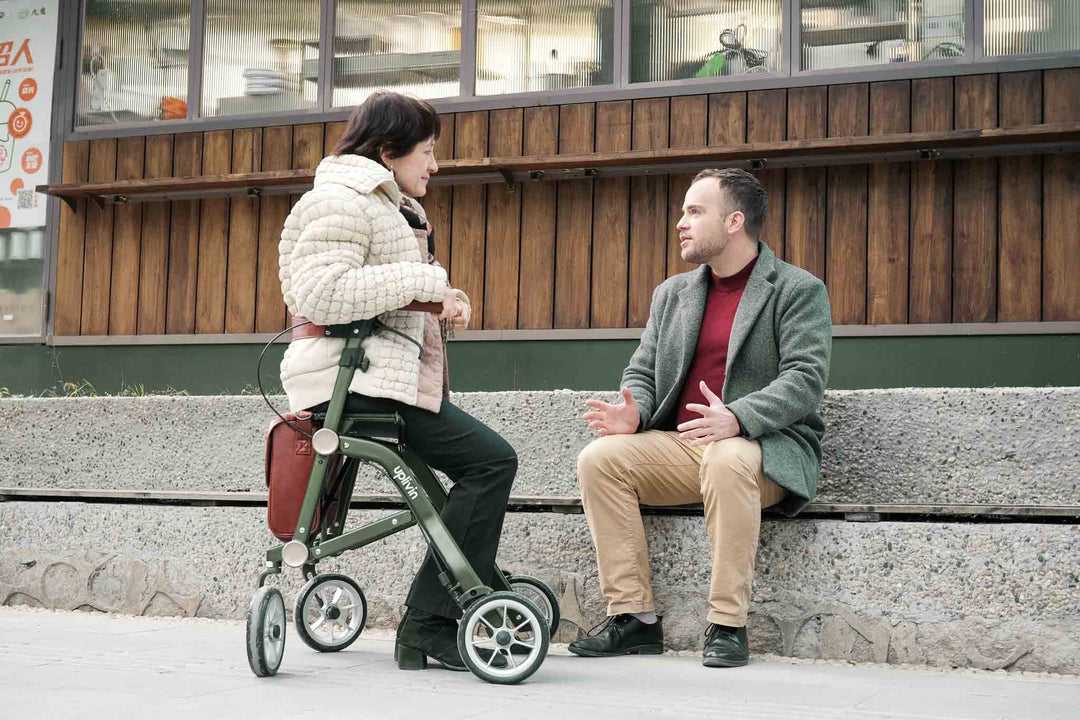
422 635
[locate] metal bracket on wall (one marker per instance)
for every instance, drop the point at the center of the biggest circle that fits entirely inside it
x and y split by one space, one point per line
511 188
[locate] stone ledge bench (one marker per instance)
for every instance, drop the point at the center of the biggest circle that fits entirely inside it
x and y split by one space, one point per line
153 506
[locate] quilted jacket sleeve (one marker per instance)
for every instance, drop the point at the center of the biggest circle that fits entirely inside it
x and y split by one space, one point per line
330 279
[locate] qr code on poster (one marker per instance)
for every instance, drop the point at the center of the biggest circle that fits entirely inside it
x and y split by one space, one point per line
25 200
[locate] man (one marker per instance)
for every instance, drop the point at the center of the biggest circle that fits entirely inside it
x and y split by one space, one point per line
719 405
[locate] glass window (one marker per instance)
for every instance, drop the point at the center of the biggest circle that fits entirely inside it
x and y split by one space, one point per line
857 33
260 57
677 39
1015 27
411 46
545 45
21 266
134 64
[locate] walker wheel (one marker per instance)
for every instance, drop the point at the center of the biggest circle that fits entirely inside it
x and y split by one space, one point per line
506 625
542 595
330 612
266 631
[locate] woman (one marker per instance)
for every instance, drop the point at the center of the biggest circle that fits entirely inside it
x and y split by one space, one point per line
358 246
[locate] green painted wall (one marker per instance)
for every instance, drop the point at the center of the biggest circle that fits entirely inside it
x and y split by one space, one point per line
956 361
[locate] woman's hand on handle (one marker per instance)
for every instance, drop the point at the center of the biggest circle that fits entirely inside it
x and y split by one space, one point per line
451 307
461 320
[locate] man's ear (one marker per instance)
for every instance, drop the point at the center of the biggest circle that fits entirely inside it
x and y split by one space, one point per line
736 221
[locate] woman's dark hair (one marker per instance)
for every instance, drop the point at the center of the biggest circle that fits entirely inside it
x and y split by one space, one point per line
388 121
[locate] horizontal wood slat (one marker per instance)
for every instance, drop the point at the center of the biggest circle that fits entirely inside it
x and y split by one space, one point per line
820 152
855 196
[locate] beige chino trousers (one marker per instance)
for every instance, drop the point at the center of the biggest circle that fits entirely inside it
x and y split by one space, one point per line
618 473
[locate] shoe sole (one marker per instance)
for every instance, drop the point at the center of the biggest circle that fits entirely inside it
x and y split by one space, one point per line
640 650
718 663
452 668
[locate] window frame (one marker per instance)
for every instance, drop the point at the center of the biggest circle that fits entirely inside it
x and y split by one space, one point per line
974 61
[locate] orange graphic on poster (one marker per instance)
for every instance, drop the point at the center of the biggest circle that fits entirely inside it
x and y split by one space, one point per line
19 123
16 185
22 54
5 217
27 89
31 160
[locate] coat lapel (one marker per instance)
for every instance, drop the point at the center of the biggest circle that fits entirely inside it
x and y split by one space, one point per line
691 309
758 290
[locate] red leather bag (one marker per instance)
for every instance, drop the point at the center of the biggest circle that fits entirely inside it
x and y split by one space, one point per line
289 459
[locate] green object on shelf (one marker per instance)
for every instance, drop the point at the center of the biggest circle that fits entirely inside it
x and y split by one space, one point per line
712 67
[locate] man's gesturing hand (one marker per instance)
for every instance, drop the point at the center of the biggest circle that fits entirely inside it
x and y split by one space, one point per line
610 419
716 422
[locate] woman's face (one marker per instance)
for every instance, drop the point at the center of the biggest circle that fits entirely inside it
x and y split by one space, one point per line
413 170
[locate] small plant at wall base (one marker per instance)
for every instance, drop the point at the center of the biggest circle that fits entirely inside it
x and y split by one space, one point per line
84 388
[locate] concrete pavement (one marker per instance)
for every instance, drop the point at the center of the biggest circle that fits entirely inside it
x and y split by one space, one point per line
70 665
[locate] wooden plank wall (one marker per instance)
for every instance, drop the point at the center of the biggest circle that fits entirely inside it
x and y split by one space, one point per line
930 242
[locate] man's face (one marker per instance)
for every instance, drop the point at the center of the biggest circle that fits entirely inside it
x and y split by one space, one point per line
705 227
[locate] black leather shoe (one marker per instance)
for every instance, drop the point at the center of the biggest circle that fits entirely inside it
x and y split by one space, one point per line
422 635
622 635
725 647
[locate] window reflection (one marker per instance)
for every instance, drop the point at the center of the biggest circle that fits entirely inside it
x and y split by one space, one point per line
677 39
260 57
412 46
543 45
856 33
134 61
21 266
1015 27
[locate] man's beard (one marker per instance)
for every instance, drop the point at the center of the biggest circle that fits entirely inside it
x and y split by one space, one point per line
703 251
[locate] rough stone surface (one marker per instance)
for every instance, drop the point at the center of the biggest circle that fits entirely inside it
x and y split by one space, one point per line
964 595
1007 446
1000 445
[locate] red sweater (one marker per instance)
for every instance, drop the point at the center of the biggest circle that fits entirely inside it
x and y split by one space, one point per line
710 357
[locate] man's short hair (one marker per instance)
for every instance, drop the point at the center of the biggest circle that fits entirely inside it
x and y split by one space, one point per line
744 193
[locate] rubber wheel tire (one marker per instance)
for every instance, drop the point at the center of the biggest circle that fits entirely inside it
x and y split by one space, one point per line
266 631
543 589
310 588
512 604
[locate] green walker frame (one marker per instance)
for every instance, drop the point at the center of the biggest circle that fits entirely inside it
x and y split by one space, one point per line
526 624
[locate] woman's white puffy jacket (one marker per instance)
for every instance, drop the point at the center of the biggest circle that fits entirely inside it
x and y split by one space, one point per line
346 254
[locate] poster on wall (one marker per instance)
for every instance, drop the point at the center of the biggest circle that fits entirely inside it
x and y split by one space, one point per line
27 59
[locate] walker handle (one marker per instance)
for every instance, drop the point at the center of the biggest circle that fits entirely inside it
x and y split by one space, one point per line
429 307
